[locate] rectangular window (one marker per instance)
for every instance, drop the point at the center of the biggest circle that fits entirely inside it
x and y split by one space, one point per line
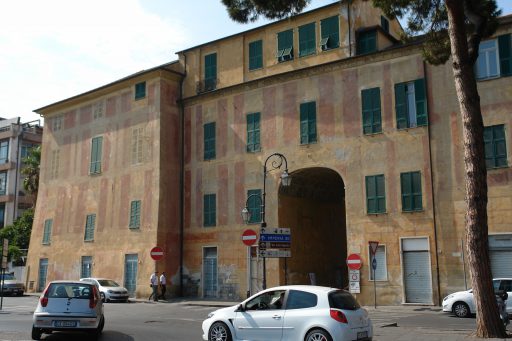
307 41
57 123
86 268
97 111
26 148
494 58
137 145
2 215
96 149
370 103
135 214
384 23
366 42
308 122
89 227
411 104
140 90
285 46
209 210
253 132
411 191
256 55
254 201
209 141
47 232
3 183
330 33
210 72
54 164
375 194
381 270
495 146
4 151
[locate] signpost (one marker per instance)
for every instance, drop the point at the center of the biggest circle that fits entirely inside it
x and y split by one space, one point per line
373 249
249 237
354 263
275 242
157 253
5 251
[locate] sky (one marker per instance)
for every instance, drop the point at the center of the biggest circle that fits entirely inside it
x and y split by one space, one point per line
54 49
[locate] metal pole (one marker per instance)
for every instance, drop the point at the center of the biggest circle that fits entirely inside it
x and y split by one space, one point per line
249 268
374 285
2 289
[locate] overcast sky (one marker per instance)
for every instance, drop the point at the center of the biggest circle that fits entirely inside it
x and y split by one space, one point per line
54 49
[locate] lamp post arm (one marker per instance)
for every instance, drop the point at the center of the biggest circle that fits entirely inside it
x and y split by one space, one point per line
276 164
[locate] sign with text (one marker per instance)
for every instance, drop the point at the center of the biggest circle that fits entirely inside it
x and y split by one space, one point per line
276 253
354 287
275 230
280 238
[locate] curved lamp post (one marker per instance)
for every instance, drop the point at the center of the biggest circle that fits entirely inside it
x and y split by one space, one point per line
278 161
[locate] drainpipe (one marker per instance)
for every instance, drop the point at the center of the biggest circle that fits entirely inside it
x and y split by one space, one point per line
182 172
17 170
436 246
349 30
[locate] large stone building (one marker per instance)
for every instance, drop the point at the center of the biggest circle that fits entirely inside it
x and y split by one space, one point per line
371 136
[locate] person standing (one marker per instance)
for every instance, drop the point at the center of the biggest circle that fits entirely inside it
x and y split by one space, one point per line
163 283
154 285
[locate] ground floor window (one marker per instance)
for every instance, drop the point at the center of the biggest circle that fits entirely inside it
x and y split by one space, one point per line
210 281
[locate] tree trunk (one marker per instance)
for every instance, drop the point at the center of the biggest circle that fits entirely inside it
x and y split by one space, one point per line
487 317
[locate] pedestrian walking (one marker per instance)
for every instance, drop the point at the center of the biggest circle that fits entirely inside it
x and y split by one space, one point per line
153 280
163 283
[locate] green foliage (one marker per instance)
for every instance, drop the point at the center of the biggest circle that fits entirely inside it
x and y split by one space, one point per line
244 11
18 234
31 166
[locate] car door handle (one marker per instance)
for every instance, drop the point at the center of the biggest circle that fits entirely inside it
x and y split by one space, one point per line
276 317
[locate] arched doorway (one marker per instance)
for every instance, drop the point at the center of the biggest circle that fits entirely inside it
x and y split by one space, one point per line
313 207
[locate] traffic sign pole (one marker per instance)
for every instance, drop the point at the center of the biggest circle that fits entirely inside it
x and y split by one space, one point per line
373 250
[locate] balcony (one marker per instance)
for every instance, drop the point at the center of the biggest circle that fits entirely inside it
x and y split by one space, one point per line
206 85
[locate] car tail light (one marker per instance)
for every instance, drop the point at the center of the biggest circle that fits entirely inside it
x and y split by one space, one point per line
93 300
44 298
338 316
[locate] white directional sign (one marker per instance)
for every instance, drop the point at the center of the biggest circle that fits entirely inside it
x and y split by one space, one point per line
275 253
275 230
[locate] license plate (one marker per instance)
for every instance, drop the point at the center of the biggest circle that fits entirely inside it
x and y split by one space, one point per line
65 323
362 335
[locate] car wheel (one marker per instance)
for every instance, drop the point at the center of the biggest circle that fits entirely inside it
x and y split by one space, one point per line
36 333
461 309
318 335
102 295
219 332
97 332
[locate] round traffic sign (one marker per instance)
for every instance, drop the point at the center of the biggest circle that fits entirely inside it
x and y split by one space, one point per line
157 253
249 237
354 261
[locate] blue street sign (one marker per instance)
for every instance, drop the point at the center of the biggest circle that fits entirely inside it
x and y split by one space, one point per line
275 238
374 263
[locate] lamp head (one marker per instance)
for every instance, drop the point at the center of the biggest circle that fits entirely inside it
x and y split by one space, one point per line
286 179
246 215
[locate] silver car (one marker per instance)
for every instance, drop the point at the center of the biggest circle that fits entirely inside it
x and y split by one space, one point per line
68 306
11 286
109 289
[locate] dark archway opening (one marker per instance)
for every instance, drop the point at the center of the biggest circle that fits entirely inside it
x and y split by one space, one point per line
313 207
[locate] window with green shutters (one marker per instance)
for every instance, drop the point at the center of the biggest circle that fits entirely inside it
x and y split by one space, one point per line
210 72
140 90
495 146
308 122
254 201
285 46
330 33
494 58
47 232
505 51
366 42
135 214
96 149
307 41
209 210
256 55
411 191
384 23
209 141
411 104
253 132
90 221
86 267
375 194
370 103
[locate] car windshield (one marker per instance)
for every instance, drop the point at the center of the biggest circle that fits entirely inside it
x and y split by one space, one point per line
8 277
70 290
340 299
107 283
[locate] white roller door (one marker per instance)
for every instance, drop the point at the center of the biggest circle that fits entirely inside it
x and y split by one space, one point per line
500 251
416 270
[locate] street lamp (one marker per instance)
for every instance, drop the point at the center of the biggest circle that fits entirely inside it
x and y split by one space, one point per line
278 161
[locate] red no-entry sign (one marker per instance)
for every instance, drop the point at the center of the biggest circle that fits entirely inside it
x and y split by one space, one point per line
354 261
249 237
157 253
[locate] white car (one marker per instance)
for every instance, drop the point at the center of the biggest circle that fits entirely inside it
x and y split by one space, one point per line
109 289
462 303
295 312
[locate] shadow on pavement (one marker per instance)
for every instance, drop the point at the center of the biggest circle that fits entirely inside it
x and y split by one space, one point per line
77 336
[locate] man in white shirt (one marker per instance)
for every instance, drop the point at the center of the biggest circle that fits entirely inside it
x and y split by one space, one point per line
163 282
154 285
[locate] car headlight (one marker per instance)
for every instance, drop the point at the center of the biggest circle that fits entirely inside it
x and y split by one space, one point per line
210 315
110 291
448 297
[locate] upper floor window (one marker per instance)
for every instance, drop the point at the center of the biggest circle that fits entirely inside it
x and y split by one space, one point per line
494 58
495 146
97 110
307 41
86 267
370 103
411 191
210 72
137 145
209 210
57 123
96 151
3 183
256 55
135 214
140 90
366 42
285 46
4 151
375 194
254 205
410 104
47 233
384 23
54 164
253 132
89 227
330 33
307 122
209 141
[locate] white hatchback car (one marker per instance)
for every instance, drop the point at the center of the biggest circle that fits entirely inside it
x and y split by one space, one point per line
462 303
295 312
109 289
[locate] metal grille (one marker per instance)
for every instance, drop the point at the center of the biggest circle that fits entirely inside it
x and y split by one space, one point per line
210 272
43 270
130 273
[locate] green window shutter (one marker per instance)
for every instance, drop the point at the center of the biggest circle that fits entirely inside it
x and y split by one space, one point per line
135 214
370 103
406 186
209 141
312 122
256 55
366 42
330 32
401 105
254 201
253 132
375 194
421 102
210 71
209 210
384 23
381 193
96 151
307 41
417 204
47 231
89 227
140 90
495 146
505 51
303 124
308 122
285 45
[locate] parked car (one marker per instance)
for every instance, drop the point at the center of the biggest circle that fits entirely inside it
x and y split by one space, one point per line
295 312
11 285
109 289
68 306
462 303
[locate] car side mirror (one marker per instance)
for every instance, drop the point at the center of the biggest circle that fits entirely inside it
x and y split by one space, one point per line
240 307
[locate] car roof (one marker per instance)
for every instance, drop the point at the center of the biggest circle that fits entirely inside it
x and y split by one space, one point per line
97 279
62 281
311 288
